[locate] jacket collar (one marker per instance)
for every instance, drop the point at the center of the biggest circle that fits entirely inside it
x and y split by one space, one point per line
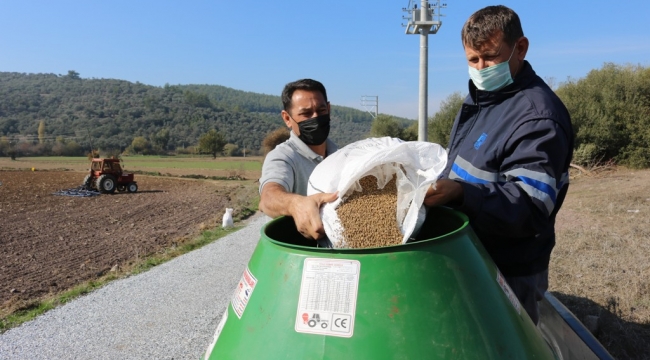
521 81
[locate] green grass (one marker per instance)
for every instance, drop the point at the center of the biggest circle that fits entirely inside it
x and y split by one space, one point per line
30 311
139 162
156 161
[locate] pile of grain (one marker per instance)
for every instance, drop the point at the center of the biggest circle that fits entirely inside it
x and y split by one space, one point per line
369 217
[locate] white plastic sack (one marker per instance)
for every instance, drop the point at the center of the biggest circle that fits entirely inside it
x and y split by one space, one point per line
417 164
227 222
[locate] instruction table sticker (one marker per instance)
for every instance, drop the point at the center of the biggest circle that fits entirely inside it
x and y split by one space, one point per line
243 292
328 297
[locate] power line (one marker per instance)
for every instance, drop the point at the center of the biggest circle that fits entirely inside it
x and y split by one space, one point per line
372 102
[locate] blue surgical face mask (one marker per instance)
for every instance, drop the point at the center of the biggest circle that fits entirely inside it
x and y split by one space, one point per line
494 77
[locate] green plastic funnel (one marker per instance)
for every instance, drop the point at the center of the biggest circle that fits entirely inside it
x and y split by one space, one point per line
438 297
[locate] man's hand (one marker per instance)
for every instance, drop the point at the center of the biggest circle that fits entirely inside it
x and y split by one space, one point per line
305 211
276 201
444 192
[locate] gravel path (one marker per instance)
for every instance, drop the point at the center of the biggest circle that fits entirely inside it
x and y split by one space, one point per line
168 312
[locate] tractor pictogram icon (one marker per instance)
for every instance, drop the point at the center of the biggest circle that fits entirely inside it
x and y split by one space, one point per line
315 319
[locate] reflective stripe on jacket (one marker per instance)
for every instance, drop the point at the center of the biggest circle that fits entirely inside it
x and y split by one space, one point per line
511 151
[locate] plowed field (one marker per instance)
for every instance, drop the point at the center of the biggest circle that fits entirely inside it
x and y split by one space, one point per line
50 243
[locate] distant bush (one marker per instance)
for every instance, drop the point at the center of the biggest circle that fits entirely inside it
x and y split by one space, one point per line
188 150
440 124
274 138
386 125
587 155
231 150
610 112
70 148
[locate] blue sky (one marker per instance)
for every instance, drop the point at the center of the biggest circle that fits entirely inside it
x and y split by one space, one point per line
355 48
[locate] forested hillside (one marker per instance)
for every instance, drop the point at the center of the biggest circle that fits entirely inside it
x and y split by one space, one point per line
109 114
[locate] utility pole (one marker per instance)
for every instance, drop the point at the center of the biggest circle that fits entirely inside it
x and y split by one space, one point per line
372 102
423 21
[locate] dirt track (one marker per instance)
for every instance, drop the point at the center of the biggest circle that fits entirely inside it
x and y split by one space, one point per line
49 243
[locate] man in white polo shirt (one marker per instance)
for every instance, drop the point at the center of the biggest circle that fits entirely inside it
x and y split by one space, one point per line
286 169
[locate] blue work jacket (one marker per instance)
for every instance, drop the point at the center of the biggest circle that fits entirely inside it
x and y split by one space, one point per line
510 150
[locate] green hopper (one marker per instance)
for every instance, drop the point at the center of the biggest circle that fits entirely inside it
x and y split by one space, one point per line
439 296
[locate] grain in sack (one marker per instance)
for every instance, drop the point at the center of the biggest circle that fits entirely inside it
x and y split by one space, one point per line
412 166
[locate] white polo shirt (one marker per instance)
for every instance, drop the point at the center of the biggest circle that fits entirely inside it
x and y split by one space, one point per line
291 163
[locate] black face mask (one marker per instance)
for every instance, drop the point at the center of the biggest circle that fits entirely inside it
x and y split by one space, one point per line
314 131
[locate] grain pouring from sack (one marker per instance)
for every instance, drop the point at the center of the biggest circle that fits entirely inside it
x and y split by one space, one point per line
369 217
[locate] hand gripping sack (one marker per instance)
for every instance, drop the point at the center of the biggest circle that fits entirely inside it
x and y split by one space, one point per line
416 164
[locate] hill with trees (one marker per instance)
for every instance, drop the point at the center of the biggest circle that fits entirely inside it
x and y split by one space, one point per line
46 114
610 113
49 114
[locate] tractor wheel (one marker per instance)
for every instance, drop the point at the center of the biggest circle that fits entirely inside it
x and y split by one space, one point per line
106 184
132 187
86 184
121 188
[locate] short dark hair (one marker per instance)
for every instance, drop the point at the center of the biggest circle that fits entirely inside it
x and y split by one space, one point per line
302 84
484 23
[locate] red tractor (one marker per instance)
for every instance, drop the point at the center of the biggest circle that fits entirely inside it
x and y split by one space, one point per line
106 175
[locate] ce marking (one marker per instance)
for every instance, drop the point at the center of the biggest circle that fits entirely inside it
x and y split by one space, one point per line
341 323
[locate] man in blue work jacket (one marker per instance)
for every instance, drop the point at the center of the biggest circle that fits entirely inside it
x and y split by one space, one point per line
509 154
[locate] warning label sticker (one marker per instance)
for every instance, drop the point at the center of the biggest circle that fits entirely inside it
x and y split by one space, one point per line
328 297
243 292
508 291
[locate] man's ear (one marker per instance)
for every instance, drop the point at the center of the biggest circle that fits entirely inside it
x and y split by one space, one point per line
286 118
522 48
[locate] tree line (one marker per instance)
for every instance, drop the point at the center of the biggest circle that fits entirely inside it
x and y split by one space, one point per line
50 114
609 108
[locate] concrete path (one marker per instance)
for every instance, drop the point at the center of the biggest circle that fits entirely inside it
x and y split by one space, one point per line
168 312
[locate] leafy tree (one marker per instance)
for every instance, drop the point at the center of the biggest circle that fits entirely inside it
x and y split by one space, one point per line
73 75
199 100
275 138
40 149
231 150
439 127
385 125
140 145
160 139
212 143
5 146
41 132
411 132
610 112
63 147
